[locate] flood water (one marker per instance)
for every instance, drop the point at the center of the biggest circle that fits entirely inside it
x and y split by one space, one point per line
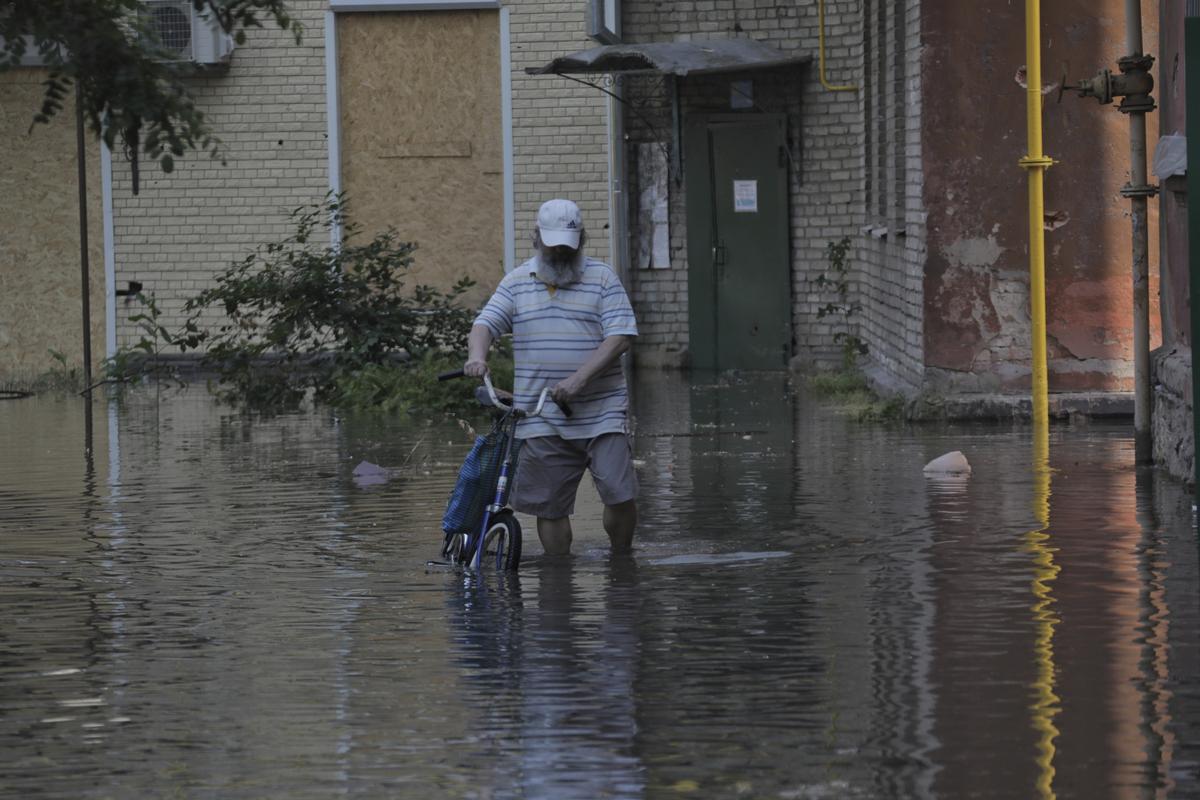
215 606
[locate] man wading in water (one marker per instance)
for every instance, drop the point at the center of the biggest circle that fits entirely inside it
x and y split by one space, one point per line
571 320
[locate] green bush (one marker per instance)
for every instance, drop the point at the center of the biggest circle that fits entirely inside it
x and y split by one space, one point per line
414 386
336 321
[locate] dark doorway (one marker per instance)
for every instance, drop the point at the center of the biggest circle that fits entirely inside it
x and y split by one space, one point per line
739 276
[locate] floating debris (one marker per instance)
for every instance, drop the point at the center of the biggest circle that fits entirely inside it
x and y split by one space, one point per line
952 463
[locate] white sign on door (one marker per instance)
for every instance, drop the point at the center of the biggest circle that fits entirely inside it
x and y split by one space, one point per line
745 197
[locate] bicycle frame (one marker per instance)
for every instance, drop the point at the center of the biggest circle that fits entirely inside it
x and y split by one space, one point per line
475 545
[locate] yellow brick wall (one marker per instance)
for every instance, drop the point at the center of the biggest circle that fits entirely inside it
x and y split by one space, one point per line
268 110
560 127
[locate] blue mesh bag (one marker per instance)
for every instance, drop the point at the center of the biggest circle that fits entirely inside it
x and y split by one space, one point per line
476 485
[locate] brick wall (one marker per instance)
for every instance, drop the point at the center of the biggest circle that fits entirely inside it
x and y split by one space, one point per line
268 109
560 127
826 136
891 244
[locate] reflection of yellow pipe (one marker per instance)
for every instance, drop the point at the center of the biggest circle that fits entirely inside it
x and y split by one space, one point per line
821 52
1036 163
1046 703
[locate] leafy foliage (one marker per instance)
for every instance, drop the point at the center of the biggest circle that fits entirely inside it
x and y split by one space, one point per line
132 90
337 320
837 278
411 386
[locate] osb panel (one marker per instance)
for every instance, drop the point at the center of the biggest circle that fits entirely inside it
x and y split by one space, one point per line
39 240
422 149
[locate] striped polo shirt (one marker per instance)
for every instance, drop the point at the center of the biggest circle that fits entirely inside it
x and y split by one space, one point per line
554 331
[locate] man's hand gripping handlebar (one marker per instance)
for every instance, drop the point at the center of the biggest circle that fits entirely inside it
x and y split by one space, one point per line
500 404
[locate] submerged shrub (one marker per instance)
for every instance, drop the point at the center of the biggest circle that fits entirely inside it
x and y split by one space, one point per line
338 321
414 385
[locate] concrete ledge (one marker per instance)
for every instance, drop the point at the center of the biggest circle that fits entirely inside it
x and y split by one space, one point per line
1063 405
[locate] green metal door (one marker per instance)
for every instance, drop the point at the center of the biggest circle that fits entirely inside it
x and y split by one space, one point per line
739 276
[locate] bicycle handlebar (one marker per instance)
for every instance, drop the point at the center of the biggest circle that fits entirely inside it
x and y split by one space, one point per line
498 403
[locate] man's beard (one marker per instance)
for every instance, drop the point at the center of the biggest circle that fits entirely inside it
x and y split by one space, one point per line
560 270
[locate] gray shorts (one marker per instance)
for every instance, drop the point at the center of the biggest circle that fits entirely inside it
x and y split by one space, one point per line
550 469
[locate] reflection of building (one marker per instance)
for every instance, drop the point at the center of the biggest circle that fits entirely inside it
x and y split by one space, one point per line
938 631
1053 651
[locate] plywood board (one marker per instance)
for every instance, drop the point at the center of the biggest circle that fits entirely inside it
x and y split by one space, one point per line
40 283
422 146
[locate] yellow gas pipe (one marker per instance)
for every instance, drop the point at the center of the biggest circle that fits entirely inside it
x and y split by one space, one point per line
1036 163
821 53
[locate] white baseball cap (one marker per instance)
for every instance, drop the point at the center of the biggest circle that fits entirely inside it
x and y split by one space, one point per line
560 222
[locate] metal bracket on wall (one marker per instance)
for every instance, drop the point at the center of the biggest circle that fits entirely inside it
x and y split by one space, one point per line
1144 190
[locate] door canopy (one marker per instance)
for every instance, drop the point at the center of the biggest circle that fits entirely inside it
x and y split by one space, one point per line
672 58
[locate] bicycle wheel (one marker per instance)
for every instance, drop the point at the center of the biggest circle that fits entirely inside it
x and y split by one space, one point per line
502 541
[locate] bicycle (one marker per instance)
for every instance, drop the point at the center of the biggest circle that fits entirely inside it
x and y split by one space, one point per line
472 529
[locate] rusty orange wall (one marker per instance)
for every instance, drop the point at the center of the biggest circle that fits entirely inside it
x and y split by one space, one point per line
39 239
422 148
973 133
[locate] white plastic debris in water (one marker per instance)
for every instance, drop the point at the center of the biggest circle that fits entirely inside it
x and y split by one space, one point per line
953 463
368 474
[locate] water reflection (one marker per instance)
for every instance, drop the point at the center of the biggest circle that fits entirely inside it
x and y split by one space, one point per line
1045 572
550 670
213 606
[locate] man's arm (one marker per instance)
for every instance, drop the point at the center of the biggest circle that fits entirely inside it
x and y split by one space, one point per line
478 344
601 359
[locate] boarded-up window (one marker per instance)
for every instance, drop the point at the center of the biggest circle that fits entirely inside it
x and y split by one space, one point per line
422 146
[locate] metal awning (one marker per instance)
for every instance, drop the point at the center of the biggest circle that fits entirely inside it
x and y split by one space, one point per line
672 58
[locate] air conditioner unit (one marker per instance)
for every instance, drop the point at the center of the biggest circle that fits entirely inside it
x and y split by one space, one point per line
186 33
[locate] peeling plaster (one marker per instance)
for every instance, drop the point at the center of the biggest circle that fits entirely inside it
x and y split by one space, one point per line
1010 299
989 311
1021 79
974 252
1053 220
